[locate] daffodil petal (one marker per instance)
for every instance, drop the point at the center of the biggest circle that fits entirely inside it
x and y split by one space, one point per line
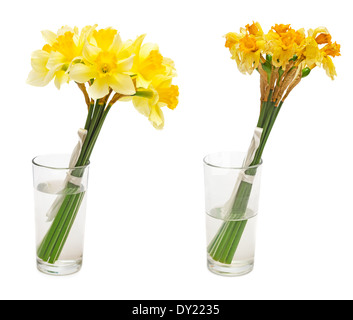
329 67
90 52
98 89
36 79
39 79
317 31
81 73
141 82
39 61
162 81
65 29
117 44
146 50
49 36
61 78
86 33
126 64
142 105
56 60
126 50
122 83
156 117
137 44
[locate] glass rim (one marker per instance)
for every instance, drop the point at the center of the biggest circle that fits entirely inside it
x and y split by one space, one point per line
229 167
53 167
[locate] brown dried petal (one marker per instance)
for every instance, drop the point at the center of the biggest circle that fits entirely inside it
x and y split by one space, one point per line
295 82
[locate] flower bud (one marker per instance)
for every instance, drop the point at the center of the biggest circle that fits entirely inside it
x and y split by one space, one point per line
306 72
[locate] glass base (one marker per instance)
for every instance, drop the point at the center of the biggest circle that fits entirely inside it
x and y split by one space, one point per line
230 270
60 268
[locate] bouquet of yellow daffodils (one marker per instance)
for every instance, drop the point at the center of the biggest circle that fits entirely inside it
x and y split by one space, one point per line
282 58
106 69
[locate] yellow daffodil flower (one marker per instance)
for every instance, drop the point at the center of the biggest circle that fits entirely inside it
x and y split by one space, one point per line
246 47
149 62
316 56
160 93
56 57
153 75
40 75
330 50
282 47
100 62
255 29
283 43
309 53
106 62
321 35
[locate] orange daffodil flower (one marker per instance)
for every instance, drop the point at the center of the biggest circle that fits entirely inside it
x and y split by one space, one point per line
283 44
282 58
102 60
322 57
246 47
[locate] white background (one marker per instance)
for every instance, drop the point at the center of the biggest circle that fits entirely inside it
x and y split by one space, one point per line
145 233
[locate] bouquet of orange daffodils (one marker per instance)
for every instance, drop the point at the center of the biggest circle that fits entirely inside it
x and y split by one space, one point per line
282 57
106 69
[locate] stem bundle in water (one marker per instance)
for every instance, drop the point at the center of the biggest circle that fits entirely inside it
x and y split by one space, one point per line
55 239
226 242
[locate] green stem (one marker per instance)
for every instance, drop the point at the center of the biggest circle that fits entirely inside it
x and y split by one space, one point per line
90 146
89 116
43 250
226 242
266 133
97 113
58 229
241 227
264 110
70 218
215 242
54 241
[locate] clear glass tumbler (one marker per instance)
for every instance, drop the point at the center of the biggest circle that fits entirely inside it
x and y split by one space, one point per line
60 195
232 202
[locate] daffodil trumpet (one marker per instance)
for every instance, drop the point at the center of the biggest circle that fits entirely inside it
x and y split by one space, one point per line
283 57
106 70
